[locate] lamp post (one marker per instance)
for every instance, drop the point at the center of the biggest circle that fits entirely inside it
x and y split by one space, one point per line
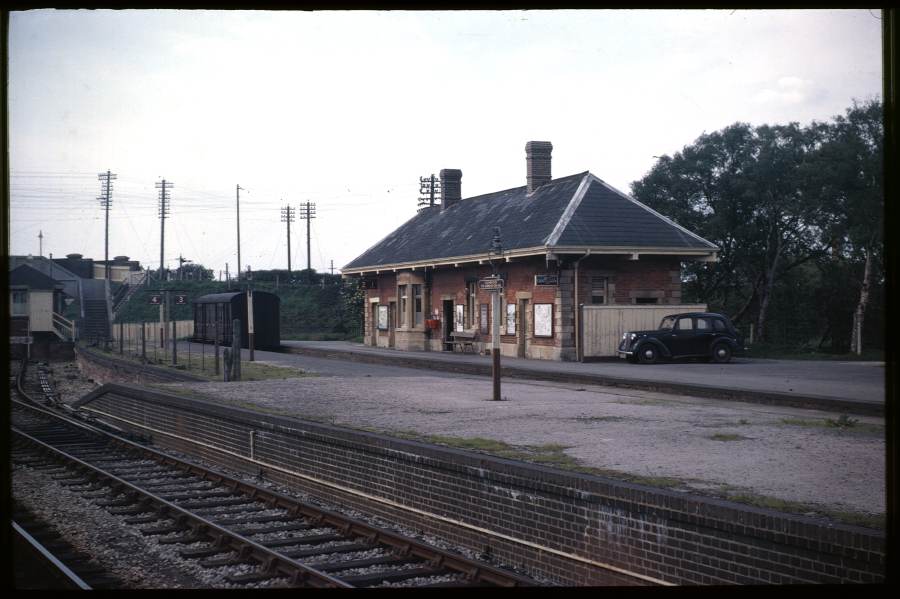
496 251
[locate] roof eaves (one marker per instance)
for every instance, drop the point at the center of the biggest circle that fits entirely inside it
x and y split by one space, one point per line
485 257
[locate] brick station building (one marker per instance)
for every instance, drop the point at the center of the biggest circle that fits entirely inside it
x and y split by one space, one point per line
565 242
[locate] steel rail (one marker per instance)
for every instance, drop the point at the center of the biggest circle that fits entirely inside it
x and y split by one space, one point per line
272 562
59 570
474 572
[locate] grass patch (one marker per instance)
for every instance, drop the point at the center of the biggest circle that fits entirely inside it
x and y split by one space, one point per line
205 368
255 371
877 521
550 454
727 437
842 422
642 402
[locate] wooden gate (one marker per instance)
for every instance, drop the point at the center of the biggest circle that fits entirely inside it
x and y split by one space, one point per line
603 326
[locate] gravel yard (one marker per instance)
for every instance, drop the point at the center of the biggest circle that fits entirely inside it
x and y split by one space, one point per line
770 453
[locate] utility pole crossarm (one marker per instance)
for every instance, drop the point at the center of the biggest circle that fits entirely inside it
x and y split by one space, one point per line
164 199
428 187
105 198
287 216
308 213
238 190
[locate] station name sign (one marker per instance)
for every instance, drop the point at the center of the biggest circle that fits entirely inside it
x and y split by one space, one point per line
491 284
546 280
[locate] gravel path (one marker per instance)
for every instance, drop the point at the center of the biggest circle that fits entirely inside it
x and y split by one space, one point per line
710 446
720 448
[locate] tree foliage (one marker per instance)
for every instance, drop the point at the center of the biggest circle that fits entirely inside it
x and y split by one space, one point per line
797 214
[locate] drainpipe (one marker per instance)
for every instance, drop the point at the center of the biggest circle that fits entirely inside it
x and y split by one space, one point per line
578 345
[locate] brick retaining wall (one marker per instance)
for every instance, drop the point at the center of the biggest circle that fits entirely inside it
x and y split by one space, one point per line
561 525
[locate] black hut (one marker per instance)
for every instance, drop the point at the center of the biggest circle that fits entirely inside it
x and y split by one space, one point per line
222 308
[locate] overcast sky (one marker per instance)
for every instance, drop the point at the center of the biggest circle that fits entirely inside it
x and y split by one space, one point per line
349 109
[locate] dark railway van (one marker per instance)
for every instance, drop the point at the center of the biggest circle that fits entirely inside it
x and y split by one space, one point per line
221 308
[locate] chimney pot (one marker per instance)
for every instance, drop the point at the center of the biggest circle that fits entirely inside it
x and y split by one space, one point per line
451 187
537 161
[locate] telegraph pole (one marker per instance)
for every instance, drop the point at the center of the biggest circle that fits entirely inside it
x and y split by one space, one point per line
164 197
238 189
287 216
105 198
428 187
308 215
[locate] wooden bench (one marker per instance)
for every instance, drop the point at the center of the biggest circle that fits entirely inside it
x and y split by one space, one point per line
462 340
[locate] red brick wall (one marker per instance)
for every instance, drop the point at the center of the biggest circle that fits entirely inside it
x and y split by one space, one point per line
657 276
647 276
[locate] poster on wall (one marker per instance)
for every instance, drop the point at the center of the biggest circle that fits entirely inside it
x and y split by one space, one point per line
510 319
543 320
459 317
382 318
484 318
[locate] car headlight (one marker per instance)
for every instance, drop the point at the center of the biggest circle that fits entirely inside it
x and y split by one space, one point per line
633 336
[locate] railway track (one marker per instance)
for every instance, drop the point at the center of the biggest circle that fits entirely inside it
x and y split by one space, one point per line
43 559
252 534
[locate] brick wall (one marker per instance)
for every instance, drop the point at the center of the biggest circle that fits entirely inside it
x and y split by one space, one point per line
575 529
650 276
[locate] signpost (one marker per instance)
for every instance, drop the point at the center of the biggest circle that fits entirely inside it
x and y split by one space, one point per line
494 285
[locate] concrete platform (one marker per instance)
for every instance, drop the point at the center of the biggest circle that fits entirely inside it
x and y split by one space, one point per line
849 387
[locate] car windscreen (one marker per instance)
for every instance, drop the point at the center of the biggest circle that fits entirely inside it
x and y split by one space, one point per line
667 324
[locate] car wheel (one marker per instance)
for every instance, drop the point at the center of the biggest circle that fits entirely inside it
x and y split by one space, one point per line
721 353
648 354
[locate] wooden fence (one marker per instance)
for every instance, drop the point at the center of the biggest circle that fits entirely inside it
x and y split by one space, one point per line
131 331
603 326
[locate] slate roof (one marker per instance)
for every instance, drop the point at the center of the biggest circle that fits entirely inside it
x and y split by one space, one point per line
43 265
579 211
32 278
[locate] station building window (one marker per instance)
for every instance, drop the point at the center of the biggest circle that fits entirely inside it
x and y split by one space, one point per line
419 318
19 303
598 290
471 299
403 303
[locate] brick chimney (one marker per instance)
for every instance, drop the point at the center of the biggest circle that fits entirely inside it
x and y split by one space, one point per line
537 159
451 187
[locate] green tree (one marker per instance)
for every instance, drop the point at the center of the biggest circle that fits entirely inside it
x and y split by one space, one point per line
847 173
741 189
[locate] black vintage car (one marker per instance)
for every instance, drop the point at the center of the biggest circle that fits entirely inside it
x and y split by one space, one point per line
693 335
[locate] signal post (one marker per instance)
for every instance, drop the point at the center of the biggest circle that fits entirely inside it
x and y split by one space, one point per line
494 285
